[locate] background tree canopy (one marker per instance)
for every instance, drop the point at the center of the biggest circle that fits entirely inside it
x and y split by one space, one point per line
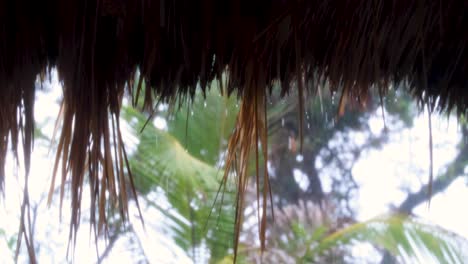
177 164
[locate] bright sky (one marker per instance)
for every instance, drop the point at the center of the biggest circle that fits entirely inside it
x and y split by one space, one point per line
381 173
404 162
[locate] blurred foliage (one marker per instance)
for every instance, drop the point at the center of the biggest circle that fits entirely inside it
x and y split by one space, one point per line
405 237
9 240
328 140
183 166
183 161
307 233
203 125
400 104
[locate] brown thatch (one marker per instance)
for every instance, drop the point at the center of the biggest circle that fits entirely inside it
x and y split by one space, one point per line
98 45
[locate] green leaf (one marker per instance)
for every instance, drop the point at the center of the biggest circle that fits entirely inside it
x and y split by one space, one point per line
403 237
186 174
211 120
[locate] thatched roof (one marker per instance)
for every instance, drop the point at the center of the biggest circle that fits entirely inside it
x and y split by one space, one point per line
98 45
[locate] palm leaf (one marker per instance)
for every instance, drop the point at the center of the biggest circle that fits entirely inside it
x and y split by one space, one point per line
407 238
187 175
204 125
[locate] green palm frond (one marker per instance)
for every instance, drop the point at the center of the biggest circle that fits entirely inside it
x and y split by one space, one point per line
183 166
407 238
210 122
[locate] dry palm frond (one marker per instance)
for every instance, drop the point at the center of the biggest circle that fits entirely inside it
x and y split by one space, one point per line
250 137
